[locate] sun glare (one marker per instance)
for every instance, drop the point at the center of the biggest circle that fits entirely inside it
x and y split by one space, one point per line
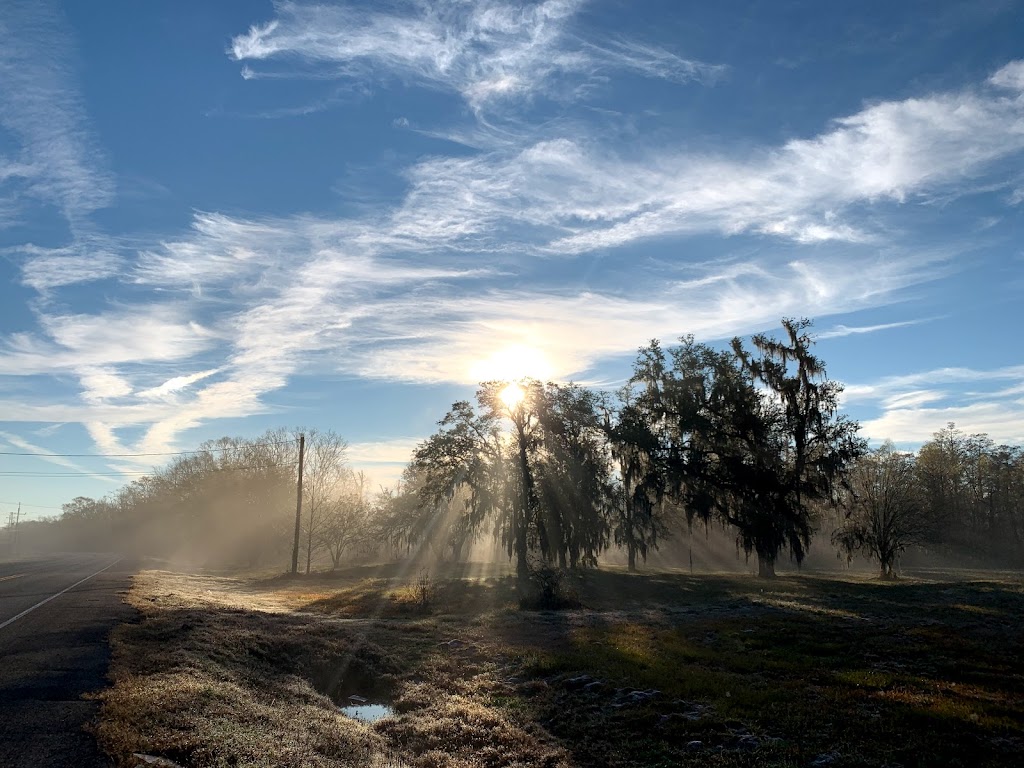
512 395
513 363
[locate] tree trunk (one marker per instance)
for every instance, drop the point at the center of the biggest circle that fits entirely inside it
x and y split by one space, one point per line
522 567
887 572
632 558
309 544
765 566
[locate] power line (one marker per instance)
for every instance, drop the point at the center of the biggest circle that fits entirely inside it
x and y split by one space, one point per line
71 474
34 506
133 473
131 455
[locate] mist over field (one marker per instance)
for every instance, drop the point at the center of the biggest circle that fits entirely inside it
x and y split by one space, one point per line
706 459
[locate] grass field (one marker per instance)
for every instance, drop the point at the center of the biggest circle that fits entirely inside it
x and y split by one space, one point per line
657 669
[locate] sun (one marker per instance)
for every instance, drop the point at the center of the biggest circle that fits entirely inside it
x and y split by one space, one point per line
512 395
513 363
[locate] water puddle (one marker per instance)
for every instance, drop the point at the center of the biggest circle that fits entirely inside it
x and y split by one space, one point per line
358 692
367 713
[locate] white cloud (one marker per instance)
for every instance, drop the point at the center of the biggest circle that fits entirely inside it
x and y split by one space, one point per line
915 406
89 258
892 385
156 333
1001 421
409 338
397 451
1010 77
99 384
382 461
177 384
60 161
567 195
845 330
486 51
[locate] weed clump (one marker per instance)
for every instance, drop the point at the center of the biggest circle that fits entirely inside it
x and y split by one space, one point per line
423 591
419 596
547 590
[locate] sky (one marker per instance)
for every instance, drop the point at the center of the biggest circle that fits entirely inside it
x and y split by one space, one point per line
219 218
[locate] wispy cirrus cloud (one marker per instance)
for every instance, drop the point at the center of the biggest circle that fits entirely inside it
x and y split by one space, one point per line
486 51
574 194
442 334
383 461
855 330
239 306
59 163
915 406
891 385
90 257
87 342
303 293
1002 421
177 384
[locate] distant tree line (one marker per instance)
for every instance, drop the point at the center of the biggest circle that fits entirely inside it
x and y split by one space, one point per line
959 493
750 439
231 502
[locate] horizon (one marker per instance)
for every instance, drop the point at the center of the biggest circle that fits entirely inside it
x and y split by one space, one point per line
241 217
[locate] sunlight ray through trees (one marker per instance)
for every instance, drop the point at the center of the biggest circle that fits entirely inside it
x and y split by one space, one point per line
748 440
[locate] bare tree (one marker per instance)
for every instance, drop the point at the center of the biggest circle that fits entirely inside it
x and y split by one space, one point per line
324 475
885 512
346 518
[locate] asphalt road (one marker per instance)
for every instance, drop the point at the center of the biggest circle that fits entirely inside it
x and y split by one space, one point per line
53 653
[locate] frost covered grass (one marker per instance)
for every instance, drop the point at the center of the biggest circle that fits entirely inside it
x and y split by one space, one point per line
654 670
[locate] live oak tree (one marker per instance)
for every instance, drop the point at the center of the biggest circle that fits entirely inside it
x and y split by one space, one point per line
573 476
459 474
806 448
530 459
751 439
519 404
638 495
667 440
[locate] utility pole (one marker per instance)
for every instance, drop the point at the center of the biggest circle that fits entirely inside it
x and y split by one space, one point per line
298 505
17 519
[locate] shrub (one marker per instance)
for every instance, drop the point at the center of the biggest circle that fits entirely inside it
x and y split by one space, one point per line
548 590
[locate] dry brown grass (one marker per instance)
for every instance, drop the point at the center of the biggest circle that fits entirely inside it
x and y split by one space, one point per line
222 672
230 671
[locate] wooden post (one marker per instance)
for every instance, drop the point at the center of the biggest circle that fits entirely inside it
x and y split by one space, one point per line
298 506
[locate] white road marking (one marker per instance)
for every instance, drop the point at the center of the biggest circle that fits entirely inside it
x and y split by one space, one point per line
8 578
52 597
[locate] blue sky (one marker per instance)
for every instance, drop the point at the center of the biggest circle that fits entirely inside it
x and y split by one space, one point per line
217 218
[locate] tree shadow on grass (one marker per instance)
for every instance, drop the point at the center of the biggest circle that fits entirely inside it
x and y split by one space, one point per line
774 672
806 668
